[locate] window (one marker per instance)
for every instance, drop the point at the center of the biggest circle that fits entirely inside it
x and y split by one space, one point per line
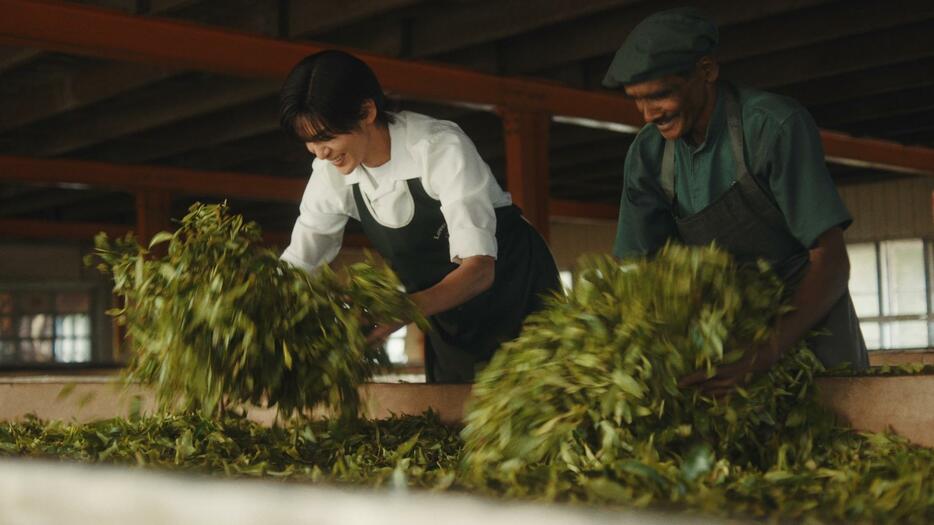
567 280
46 326
891 289
395 347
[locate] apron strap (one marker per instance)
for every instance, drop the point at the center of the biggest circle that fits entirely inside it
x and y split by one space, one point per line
668 171
760 199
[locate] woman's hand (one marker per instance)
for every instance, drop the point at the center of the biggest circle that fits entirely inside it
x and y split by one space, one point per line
381 332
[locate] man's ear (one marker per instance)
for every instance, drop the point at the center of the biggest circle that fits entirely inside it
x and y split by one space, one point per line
709 69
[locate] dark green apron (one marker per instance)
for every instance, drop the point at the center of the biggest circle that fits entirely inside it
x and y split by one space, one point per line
748 223
464 337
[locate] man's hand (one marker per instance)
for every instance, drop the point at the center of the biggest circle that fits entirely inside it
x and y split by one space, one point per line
380 332
728 377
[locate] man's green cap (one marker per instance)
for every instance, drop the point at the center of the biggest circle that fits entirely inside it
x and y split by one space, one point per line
665 43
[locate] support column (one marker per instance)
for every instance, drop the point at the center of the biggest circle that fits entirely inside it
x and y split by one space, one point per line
153 214
526 135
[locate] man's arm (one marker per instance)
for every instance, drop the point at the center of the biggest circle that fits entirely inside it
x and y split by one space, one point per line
824 282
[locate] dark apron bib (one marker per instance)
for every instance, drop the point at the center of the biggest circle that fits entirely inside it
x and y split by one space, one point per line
746 222
464 337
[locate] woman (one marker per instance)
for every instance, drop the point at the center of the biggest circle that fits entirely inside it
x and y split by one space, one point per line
427 202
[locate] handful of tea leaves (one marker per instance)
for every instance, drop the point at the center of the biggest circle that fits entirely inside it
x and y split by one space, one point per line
220 319
586 401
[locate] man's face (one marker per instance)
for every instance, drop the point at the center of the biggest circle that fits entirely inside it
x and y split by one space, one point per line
672 103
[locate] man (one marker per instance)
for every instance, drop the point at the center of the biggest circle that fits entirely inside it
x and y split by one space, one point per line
739 167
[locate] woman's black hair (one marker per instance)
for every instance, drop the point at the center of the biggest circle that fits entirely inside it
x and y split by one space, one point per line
323 96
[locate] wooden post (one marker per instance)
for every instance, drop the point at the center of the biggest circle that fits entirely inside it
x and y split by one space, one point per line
526 135
153 214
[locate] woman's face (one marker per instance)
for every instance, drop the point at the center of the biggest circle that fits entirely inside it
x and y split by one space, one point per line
345 151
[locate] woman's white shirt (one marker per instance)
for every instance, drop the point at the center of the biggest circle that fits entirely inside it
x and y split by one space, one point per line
450 170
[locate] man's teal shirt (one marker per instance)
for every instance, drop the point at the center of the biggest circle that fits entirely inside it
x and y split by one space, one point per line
783 152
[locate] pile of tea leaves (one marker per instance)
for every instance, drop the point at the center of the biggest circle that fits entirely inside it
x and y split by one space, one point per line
416 451
585 405
216 319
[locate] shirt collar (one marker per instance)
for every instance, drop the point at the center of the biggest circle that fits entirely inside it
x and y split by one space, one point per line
400 167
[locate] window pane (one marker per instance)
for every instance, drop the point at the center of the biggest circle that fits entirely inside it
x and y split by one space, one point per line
7 351
395 347
904 277
567 280
907 334
72 350
35 326
864 278
872 335
34 350
82 325
72 302
82 350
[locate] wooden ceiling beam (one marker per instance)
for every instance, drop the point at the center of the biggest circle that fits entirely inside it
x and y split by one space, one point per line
888 78
250 120
49 199
223 157
84 87
81 30
748 40
901 103
603 33
74 231
821 23
464 25
847 150
312 18
86 231
71 173
826 59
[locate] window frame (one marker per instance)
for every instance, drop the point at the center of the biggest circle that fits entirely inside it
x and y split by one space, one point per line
883 319
99 357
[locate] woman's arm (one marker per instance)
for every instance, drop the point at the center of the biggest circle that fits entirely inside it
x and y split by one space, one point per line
474 276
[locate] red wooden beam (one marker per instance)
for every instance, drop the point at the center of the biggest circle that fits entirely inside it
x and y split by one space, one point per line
153 214
131 178
526 135
149 178
89 31
72 231
841 148
109 34
85 231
